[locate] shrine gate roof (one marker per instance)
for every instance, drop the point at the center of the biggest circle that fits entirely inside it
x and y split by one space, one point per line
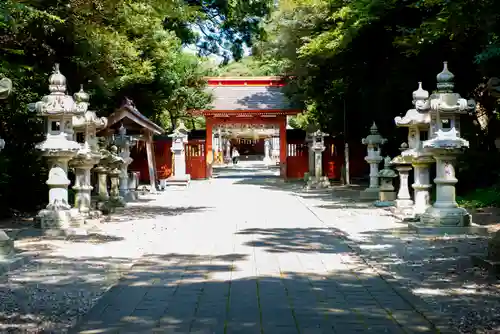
251 94
128 116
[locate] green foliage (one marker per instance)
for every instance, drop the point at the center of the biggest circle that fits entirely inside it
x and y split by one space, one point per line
251 66
365 58
117 49
480 198
225 27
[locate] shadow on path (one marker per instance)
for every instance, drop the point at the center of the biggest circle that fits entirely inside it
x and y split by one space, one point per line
178 293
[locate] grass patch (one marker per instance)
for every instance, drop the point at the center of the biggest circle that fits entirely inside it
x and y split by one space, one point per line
480 198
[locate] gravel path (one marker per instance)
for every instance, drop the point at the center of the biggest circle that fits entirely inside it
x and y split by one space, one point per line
64 277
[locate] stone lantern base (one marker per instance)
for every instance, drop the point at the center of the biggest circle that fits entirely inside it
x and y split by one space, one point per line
453 221
369 194
56 222
181 180
315 183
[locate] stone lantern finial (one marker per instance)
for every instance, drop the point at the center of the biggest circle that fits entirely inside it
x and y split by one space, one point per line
57 81
445 79
82 99
81 96
420 94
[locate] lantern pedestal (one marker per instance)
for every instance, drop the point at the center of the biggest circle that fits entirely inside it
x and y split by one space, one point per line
373 142
387 193
445 216
179 176
318 181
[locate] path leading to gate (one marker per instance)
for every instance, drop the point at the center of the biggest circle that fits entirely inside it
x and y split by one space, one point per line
246 255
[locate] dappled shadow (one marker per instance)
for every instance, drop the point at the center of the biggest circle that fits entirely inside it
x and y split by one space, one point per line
31 233
300 240
47 293
264 98
440 270
138 212
196 294
347 205
275 183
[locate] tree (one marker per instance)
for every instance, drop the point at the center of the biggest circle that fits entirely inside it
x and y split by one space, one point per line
117 49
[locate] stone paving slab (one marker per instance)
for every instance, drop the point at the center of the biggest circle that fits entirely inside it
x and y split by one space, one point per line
257 260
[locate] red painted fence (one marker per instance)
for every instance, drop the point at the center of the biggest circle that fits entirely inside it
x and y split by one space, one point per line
196 163
297 159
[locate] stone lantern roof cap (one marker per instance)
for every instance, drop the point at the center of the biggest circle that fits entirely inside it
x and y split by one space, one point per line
387 172
57 102
420 93
448 140
180 130
445 79
5 88
374 138
81 95
57 81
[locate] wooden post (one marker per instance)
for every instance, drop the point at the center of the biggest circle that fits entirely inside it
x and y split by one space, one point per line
151 160
283 146
208 145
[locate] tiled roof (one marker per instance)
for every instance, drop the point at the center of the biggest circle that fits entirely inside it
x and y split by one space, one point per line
248 98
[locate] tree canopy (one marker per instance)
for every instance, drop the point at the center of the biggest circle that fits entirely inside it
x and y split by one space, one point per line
117 49
367 57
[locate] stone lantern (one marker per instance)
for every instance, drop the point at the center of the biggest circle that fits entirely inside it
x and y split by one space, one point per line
58 148
445 145
115 163
124 142
85 126
373 142
418 121
387 195
402 163
267 151
179 139
318 146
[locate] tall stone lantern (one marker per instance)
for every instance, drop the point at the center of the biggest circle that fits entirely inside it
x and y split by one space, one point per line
58 148
86 127
179 139
124 142
318 146
445 145
418 121
403 203
373 142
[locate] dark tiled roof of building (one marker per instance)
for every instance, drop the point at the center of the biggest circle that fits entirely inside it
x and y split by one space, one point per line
248 98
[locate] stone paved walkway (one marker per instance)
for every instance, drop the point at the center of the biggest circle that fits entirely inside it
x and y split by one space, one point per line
242 255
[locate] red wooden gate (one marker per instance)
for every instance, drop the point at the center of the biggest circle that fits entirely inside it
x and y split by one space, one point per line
297 159
333 158
196 164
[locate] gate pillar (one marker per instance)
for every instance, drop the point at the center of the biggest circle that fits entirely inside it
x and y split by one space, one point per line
209 153
283 146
